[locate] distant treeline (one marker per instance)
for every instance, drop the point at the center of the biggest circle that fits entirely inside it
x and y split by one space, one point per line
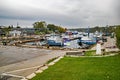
42 27
107 29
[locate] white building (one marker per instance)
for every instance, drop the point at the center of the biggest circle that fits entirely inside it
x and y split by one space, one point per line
15 33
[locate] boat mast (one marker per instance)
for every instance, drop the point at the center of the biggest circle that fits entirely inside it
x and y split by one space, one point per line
88 31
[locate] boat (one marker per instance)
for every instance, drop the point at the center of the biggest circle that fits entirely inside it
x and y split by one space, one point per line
55 40
86 40
66 41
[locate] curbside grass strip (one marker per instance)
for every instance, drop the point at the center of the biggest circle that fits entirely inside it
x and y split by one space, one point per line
96 55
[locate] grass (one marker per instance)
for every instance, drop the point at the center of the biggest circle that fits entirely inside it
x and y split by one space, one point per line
83 68
90 53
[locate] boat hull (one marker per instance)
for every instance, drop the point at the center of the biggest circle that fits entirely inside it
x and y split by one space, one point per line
54 43
88 42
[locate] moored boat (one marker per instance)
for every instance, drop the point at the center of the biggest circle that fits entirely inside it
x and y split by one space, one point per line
55 40
86 40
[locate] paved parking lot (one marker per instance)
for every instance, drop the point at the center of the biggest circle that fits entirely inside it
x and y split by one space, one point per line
23 61
9 54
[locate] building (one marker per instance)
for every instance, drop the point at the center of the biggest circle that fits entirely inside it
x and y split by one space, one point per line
15 33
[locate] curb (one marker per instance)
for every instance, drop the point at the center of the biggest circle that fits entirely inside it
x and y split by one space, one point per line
41 69
31 76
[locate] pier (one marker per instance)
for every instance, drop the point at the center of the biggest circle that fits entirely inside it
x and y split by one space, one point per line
21 39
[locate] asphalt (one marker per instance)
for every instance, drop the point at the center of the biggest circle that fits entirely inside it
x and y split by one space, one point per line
23 61
20 61
110 44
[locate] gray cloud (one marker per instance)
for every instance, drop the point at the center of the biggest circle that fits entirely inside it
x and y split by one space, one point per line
71 14
117 8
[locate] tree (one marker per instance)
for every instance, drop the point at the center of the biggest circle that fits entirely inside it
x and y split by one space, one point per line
52 27
117 32
7 29
40 27
55 28
18 27
61 30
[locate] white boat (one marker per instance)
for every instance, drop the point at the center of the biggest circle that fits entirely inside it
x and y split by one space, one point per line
55 40
87 40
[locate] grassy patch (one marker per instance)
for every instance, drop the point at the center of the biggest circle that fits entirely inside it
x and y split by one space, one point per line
83 68
90 53
113 52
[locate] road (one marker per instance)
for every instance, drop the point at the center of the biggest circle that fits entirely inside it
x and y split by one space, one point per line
110 45
23 61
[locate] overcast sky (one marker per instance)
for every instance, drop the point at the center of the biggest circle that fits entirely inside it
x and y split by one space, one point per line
67 13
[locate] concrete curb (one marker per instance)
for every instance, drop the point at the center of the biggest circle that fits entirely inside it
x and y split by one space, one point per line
95 56
24 79
41 69
44 68
31 76
50 64
38 71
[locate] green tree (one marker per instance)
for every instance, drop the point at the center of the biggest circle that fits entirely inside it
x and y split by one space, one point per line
55 28
18 27
61 30
7 29
40 27
117 32
52 27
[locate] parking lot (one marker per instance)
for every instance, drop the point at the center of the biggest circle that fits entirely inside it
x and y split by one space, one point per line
23 61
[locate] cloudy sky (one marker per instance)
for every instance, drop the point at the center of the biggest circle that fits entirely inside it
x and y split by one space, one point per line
67 13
